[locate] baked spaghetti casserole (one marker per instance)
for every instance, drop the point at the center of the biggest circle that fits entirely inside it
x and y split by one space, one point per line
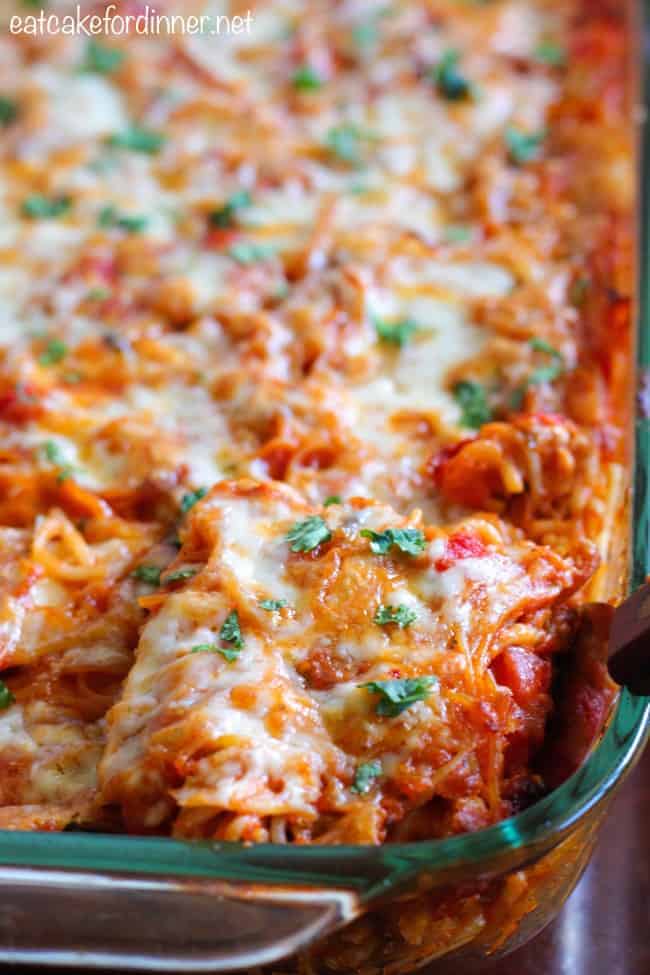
313 395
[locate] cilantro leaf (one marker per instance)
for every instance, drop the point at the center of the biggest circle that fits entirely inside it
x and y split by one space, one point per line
226 215
523 146
8 110
472 399
271 605
189 500
306 78
397 695
365 775
230 631
395 333
409 540
138 139
307 535
248 252
6 697
551 53
225 652
147 573
101 59
109 216
40 207
448 78
402 615
180 575
333 499
54 352
457 233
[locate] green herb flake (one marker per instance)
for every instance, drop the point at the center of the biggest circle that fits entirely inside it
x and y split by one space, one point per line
345 142
40 207
449 80
248 252
403 616
226 215
189 500
6 697
147 573
55 351
364 777
457 234
225 652
8 110
551 53
230 631
549 373
138 139
180 575
333 499
395 696
307 535
523 146
365 35
472 399
272 605
101 59
408 540
306 78
109 216
395 333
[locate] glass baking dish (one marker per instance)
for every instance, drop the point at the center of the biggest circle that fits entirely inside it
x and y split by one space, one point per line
168 905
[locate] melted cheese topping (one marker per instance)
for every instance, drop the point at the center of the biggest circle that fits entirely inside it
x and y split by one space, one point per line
338 261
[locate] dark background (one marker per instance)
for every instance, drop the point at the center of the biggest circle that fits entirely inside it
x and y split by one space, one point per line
604 928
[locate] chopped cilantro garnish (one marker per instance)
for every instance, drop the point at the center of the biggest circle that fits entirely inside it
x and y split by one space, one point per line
523 146
458 234
39 207
148 573
408 540
448 78
230 631
109 216
472 399
306 78
403 616
189 500
333 499
272 605
226 652
101 59
248 252
365 34
395 333
551 53
364 776
398 695
180 575
345 141
307 535
98 294
546 374
225 216
6 697
54 352
8 110
138 140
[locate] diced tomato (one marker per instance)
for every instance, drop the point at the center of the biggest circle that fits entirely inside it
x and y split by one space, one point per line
219 238
461 545
527 675
20 404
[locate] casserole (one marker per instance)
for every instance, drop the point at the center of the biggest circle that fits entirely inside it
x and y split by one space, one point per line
493 899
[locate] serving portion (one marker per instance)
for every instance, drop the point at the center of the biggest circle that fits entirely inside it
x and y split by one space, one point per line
313 404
